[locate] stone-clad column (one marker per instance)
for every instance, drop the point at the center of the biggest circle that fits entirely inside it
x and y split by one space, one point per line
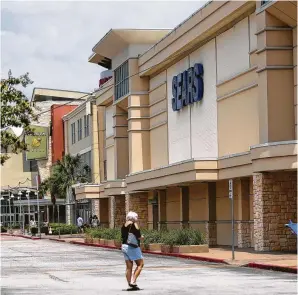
139 204
243 231
211 233
275 203
119 210
243 214
104 212
112 211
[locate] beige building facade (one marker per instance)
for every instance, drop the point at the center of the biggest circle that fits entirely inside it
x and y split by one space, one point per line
80 133
212 100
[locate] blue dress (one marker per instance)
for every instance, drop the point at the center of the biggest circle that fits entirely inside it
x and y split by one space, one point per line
131 253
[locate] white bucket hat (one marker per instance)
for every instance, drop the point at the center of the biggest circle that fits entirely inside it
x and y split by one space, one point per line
132 216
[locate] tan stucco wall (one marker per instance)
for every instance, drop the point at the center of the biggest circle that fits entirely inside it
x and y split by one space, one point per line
13 172
198 200
159 147
173 206
158 120
295 76
110 158
233 51
236 114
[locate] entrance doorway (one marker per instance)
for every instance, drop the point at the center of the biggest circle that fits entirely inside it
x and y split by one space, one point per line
155 216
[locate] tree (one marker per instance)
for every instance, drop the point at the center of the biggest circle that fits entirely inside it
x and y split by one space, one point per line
15 112
65 173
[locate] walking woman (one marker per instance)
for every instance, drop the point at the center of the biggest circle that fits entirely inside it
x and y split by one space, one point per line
131 237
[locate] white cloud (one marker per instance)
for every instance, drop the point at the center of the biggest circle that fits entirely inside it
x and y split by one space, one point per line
53 40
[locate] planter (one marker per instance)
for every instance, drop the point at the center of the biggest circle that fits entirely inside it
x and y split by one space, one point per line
88 240
34 231
110 243
96 241
117 243
142 246
44 230
101 241
155 247
166 248
191 249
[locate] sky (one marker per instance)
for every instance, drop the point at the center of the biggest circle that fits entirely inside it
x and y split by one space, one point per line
52 40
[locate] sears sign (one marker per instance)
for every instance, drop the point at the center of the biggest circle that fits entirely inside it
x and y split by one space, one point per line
188 87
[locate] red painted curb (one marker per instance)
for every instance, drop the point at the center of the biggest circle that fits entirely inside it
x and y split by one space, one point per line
20 236
183 256
272 267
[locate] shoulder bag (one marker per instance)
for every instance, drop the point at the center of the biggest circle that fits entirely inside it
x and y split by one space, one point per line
131 239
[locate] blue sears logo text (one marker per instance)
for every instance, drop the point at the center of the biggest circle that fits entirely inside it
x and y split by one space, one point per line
188 87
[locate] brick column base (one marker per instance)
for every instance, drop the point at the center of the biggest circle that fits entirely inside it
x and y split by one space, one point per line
112 211
95 207
211 233
104 212
139 204
244 236
275 203
119 211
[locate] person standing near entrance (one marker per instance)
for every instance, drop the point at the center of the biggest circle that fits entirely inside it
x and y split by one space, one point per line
131 238
80 223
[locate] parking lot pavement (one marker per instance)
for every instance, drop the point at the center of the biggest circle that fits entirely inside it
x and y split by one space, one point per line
47 267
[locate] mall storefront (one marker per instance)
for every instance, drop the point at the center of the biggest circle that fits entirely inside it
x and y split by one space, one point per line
215 99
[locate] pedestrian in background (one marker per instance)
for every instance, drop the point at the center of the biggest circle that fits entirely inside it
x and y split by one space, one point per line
131 238
95 221
80 223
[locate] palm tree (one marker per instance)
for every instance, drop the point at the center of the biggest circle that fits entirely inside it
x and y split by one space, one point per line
65 173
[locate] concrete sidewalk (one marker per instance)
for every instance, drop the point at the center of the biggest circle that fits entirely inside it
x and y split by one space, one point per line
243 257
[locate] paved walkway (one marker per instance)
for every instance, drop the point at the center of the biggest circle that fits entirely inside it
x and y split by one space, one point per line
45 267
242 256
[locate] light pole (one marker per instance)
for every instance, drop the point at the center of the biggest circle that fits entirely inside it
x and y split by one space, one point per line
28 198
9 197
4 215
20 210
38 218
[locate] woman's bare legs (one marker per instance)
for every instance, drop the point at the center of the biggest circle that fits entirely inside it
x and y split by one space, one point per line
140 265
129 265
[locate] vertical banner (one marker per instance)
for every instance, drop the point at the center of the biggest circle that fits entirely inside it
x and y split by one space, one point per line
37 143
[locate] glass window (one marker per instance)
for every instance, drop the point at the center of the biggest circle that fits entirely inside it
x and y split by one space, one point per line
86 125
73 133
121 80
80 131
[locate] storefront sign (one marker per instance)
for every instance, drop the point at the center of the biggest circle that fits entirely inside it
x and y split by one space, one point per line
37 143
188 87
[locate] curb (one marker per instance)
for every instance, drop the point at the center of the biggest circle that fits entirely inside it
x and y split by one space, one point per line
56 240
272 267
20 236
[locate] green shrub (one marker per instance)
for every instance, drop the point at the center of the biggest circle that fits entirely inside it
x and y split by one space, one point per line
94 233
104 233
3 229
180 237
65 229
111 233
152 237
